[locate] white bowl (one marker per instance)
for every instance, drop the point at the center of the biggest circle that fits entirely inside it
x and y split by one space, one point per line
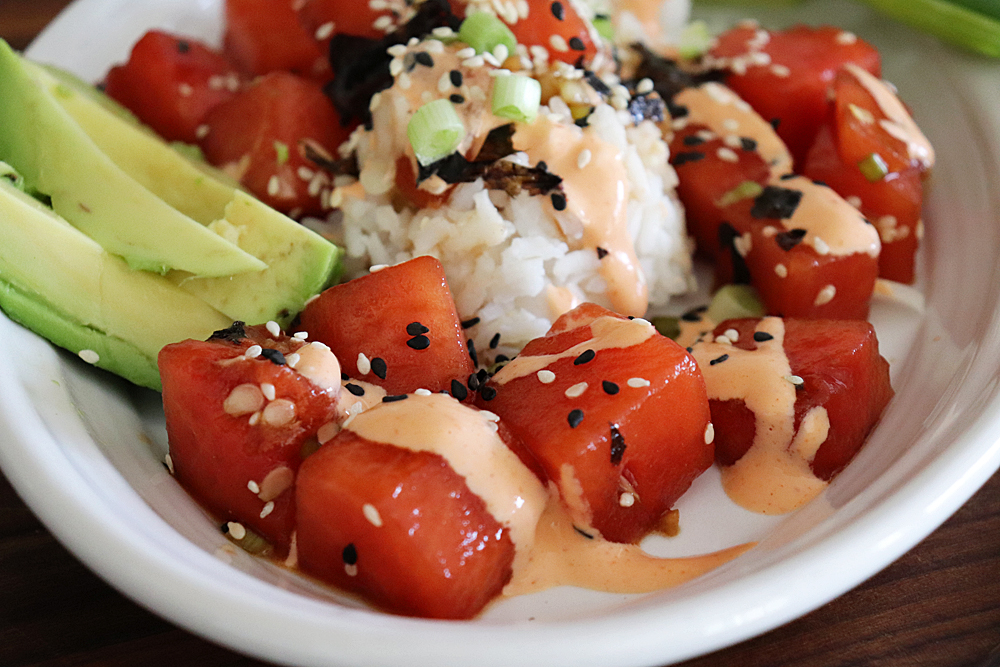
84 450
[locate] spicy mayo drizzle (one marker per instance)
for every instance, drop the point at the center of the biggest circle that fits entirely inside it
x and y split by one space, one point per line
596 195
549 550
774 476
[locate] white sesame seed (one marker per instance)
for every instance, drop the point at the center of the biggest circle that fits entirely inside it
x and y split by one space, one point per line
466 53
422 392
583 159
325 30
723 340
826 295
731 124
253 352
383 23
546 376
279 413
846 38
267 389
820 246
732 334
626 499
273 186
273 328
371 513
244 399
638 382
404 81
253 486
169 461
444 83
301 335
89 356
576 390
727 154
351 570
644 87
267 509
501 52
236 530
854 201
327 432
769 231
474 62
292 360
780 70
185 90
254 418
709 433
396 67
781 270
443 32
201 131
794 379
364 364
558 42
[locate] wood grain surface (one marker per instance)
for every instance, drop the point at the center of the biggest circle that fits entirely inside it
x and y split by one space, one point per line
938 606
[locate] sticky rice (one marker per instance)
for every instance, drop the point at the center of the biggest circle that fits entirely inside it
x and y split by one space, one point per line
516 259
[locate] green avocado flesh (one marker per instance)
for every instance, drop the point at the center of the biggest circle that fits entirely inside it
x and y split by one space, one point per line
64 286
41 140
299 262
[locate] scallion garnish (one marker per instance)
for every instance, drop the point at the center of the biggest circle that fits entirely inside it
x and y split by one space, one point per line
604 27
483 32
435 131
516 97
873 167
695 40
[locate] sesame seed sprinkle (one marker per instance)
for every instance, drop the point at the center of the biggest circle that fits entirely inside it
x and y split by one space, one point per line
718 360
574 418
273 328
583 159
422 392
253 486
169 462
626 499
364 365
268 390
89 356
379 367
458 390
710 433
576 390
637 383
372 515
325 31
610 388
267 509
826 295
585 357
794 379
546 376
235 530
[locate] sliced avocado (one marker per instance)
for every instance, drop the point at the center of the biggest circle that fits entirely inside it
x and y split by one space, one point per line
63 285
56 157
300 262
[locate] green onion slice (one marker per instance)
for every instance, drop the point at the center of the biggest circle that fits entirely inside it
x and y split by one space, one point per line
873 168
483 32
516 97
695 40
969 24
282 151
435 131
604 28
745 190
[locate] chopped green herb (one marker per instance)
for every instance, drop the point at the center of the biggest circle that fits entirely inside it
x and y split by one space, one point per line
483 32
516 97
745 190
281 149
435 131
873 168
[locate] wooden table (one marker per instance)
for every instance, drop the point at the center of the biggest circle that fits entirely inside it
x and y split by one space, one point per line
938 606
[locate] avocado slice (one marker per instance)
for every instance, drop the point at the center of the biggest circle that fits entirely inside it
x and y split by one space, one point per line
56 157
300 262
61 284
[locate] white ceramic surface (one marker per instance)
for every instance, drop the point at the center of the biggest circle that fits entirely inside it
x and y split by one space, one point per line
84 449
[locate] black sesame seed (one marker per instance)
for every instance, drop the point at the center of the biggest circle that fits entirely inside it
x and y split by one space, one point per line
379 368
182 46
458 390
574 418
689 349
394 398
350 555
582 121
456 99
345 376
775 122
275 357
495 341
468 324
577 44
601 252
416 328
456 78
558 11
617 445
542 165
483 375
819 183
609 387
688 156
788 176
224 528
472 352
762 336
677 110
558 201
586 356
788 240
474 382
718 360
500 358
488 393
748 144
693 315
424 58
420 342
692 140
583 532
355 389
